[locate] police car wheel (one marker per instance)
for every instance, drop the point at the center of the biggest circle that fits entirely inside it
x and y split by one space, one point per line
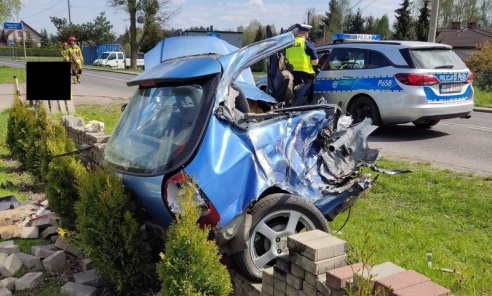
425 123
364 107
274 218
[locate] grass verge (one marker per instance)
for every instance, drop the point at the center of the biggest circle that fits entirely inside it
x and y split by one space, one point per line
441 211
483 98
7 74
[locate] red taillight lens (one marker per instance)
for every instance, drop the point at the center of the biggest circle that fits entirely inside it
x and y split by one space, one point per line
416 79
470 78
209 215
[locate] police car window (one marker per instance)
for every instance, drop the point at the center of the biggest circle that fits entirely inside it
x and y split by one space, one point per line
436 59
120 56
377 60
345 59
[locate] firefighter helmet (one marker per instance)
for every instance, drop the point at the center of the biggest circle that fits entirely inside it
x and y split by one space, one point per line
65 44
71 38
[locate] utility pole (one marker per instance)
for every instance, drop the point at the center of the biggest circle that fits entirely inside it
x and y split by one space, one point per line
69 17
431 37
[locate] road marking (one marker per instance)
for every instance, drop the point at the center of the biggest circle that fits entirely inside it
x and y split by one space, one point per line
90 74
473 127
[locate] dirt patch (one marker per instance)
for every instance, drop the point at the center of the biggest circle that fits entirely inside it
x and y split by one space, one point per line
13 216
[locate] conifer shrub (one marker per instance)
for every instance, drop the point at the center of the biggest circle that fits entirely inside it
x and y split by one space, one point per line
108 223
36 143
480 63
190 264
60 175
18 130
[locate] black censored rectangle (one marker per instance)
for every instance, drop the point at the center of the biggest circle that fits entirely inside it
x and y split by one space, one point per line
49 81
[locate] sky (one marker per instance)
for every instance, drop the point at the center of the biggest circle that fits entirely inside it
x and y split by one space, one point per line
223 15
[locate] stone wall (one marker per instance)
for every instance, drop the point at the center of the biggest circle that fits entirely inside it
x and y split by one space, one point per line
86 138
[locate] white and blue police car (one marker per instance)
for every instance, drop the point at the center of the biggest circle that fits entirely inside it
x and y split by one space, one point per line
393 82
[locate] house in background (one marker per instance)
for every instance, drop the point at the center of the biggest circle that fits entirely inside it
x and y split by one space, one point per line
16 35
464 40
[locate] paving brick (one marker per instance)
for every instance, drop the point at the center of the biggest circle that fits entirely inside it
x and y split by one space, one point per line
267 288
267 276
5 292
294 281
8 283
337 278
283 264
312 279
55 261
41 252
291 291
29 232
277 292
87 264
399 281
297 270
29 261
280 285
318 267
10 249
323 288
323 248
301 293
29 280
376 272
279 274
10 265
296 241
423 289
62 245
3 256
49 232
308 289
7 243
45 221
89 278
74 289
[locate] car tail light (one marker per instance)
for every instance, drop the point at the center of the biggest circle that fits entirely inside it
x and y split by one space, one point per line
208 213
416 79
470 78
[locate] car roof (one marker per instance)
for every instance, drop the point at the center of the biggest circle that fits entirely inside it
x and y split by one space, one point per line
380 45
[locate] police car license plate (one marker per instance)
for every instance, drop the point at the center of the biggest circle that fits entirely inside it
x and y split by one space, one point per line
450 88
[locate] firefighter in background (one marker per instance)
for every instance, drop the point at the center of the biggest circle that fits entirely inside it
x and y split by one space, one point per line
64 53
76 59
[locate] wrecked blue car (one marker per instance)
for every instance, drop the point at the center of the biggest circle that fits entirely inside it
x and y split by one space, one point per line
263 172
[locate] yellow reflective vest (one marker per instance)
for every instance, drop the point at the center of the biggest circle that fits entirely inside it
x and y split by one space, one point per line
65 55
296 55
76 54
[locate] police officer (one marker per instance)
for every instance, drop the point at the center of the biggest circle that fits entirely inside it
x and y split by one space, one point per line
302 55
64 53
76 58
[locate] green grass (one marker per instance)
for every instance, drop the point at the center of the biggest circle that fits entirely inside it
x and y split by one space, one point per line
109 114
7 74
441 211
482 98
256 75
39 59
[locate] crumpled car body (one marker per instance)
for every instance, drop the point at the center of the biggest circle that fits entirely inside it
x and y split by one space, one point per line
260 176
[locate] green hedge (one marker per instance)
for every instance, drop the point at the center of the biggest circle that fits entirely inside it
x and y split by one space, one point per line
17 51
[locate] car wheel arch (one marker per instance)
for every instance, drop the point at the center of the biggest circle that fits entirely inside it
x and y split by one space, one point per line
365 96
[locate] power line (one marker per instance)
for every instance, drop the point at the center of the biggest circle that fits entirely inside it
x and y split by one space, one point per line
368 5
45 9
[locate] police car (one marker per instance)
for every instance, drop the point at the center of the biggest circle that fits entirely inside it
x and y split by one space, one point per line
394 82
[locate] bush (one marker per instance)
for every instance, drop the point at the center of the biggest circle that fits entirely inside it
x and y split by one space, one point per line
480 63
36 143
18 130
109 233
18 51
191 264
60 175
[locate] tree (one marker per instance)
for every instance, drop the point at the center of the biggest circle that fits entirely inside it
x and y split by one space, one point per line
65 30
356 24
147 12
155 34
45 39
333 18
347 21
422 27
9 8
30 43
370 25
382 28
99 31
249 32
403 24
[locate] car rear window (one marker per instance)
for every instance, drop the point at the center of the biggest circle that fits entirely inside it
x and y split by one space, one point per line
436 59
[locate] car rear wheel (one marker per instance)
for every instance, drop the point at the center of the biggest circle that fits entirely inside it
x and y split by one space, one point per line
274 218
425 123
364 107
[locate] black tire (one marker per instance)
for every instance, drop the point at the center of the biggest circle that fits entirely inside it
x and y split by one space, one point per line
364 107
272 214
425 123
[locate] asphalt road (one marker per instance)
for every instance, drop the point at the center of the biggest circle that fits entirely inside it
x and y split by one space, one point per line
459 144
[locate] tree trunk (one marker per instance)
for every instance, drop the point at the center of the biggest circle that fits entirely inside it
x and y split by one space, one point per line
132 5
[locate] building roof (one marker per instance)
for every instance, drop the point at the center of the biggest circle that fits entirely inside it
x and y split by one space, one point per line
464 38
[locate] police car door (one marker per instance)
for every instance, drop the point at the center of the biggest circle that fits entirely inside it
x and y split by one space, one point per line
339 74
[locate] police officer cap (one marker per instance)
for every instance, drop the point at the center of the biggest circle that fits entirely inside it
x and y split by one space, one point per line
304 28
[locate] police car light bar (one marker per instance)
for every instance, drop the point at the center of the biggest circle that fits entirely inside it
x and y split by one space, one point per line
340 37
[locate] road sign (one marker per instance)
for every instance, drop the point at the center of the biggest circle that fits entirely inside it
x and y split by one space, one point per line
214 34
12 42
10 26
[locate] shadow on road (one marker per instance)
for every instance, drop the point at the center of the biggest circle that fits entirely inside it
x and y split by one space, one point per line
404 133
